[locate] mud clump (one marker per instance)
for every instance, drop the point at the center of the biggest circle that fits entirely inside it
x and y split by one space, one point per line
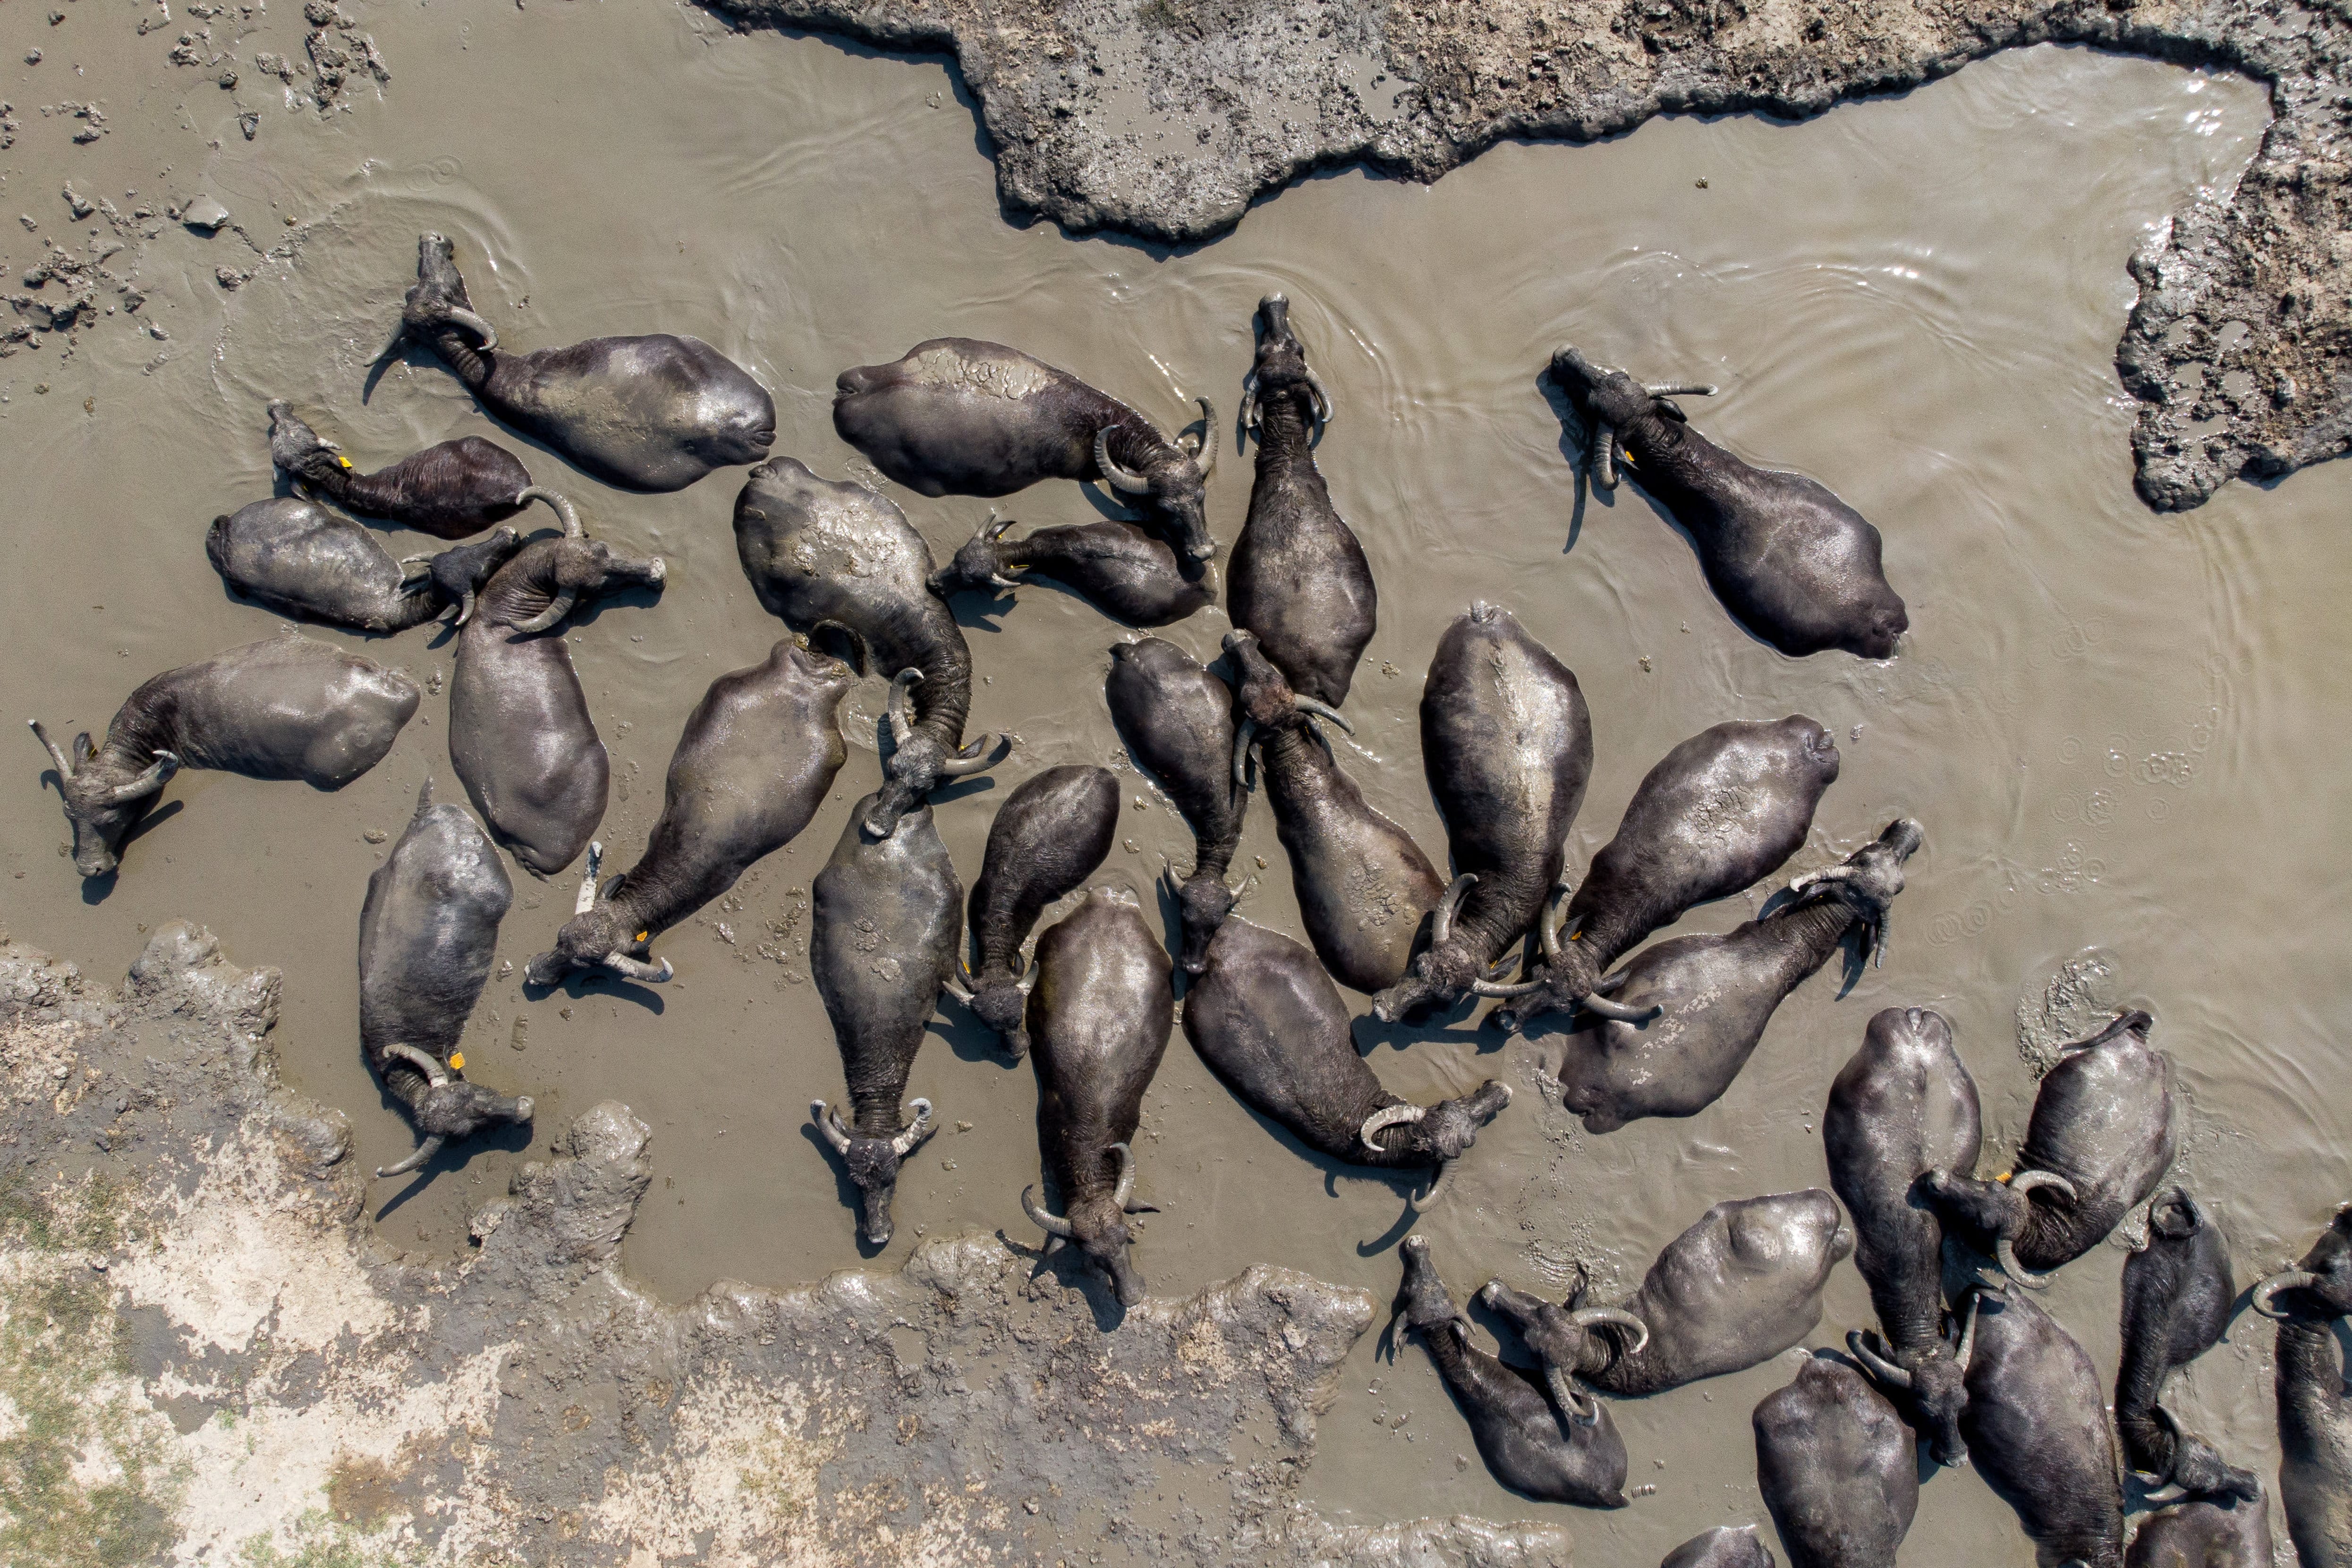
1166 118
185 1254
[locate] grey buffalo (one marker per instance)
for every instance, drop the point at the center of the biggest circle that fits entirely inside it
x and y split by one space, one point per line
1127 572
1793 564
757 756
1048 837
428 931
2178 1301
283 707
452 490
1178 720
1725 1546
301 560
1837 1466
653 413
2036 1427
2308 1302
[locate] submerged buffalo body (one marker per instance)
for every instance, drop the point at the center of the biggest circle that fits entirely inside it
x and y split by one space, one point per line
1365 889
1126 571
1705 1001
830 558
956 417
753 764
1048 837
1725 807
2315 1412
1268 1021
1903 1105
1557 1454
653 413
452 490
2206 1534
283 707
1838 1468
1178 720
888 919
2178 1301
520 733
1793 564
2105 1128
1100 1016
1725 1546
1507 745
2036 1427
1299 581
427 934
302 559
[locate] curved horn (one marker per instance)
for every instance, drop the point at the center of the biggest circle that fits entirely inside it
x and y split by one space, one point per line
1441 929
1602 464
457 315
1119 479
1126 1188
1323 710
1051 1224
904 1144
1242 739
1389 1116
1574 1403
545 620
981 753
585 900
1000 581
1249 399
408 564
953 983
2265 1292
466 608
424 1151
1590 1317
572 526
994 528
1205 455
1618 1012
1877 1366
1680 389
1498 988
900 731
2027 1181
158 774
638 969
829 1124
1968 1346
435 1073
1028 980
1555 920
1322 398
1422 1203
2004 1249
57 753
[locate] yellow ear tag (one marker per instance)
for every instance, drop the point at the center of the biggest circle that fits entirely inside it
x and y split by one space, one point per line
643 934
457 1060
2004 1176
343 460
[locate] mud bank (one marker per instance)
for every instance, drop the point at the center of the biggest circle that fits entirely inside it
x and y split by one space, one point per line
1167 118
193 1304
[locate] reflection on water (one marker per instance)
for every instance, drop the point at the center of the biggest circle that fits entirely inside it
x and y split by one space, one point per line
2119 728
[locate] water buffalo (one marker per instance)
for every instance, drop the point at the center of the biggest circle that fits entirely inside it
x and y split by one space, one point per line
1299 582
1507 745
1707 998
652 414
1269 1022
1793 564
1127 572
1722 809
1530 1447
1838 1468
2206 1534
955 416
1725 1546
1902 1106
428 931
753 764
1737 1288
283 707
889 916
2314 1413
1048 837
520 733
1103 1008
2036 1427
1178 720
452 490
301 560
838 558
1364 887
2178 1300
2105 1128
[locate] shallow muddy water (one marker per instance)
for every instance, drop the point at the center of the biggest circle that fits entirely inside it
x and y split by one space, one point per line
2122 731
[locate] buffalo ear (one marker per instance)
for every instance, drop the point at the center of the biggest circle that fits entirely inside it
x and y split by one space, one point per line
82 748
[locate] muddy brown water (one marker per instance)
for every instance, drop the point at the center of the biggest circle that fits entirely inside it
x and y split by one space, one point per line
2122 731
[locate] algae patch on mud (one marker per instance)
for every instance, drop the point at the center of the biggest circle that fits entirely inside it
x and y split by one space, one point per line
208 1353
